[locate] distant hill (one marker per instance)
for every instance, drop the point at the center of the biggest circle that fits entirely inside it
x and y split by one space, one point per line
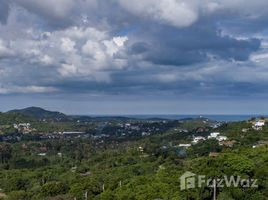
40 113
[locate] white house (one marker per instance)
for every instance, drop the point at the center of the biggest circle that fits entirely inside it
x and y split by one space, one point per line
216 135
213 135
221 138
198 139
145 133
127 125
258 125
185 145
22 125
16 126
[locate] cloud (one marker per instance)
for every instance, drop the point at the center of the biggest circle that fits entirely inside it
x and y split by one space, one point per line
192 45
47 58
67 45
178 13
68 70
184 13
4 50
54 12
65 13
26 89
164 47
4 11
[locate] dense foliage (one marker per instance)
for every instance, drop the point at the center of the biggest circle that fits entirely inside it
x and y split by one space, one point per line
138 168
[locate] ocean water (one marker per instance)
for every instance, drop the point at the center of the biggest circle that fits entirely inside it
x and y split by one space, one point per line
221 118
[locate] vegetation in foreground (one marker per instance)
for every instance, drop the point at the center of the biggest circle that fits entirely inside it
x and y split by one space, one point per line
137 168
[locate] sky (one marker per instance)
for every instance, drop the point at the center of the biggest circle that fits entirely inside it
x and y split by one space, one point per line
135 56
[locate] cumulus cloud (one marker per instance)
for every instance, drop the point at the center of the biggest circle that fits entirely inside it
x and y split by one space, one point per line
123 47
68 70
67 45
85 53
4 50
178 13
184 13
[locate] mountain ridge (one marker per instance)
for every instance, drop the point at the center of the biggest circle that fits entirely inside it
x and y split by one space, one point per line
39 113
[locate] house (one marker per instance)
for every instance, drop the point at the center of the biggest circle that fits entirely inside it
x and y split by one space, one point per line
213 135
245 130
227 143
16 126
26 125
257 125
23 127
216 135
216 125
260 143
127 125
198 139
221 138
185 145
145 134
141 149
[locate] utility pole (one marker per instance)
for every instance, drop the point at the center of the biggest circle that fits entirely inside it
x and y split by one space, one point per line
86 195
120 183
103 188
214 189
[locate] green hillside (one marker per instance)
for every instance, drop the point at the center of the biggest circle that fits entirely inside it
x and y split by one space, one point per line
39 113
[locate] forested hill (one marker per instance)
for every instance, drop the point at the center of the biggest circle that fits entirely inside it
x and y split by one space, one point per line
39 113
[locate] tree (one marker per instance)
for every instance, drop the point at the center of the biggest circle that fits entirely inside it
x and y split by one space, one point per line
18 195
54 188
5 153
203 148
237 164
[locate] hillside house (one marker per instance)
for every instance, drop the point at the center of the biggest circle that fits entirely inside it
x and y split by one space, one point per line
198 139
227 143
185 145
213 135
257 125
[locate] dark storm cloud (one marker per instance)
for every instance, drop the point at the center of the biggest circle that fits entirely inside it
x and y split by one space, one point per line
57 14
139 47
4 11
171 46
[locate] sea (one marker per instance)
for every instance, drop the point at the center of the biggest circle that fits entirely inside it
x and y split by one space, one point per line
220 118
